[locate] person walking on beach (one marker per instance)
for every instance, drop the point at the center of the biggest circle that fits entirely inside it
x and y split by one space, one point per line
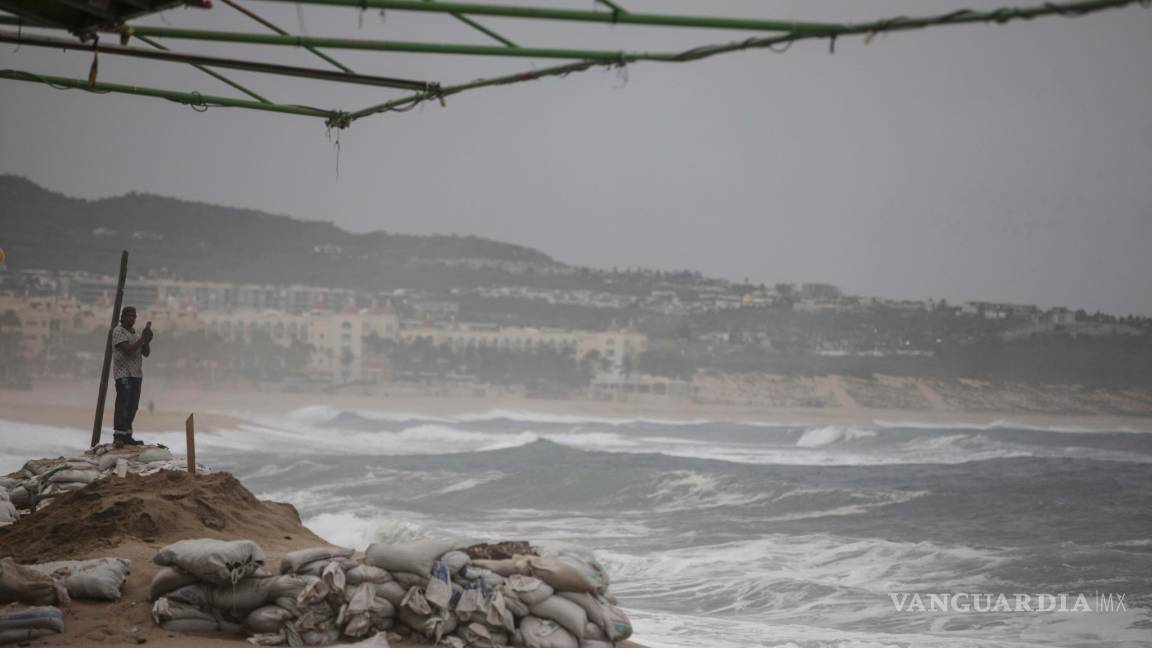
128 352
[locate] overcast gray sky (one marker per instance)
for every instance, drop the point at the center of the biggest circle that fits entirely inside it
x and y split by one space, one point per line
977 162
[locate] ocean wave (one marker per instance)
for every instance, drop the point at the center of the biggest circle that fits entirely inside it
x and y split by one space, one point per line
822 436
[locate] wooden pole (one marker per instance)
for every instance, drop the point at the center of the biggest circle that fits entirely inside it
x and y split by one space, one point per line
96 425
190 439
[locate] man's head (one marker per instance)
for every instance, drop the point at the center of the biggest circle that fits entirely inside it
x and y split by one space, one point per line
128 316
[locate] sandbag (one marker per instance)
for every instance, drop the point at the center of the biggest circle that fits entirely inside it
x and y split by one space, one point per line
22 584
413 557
593 632
21 636
408 579
267 619
392 591
367 574
167 580
592 607
217 561
99 578
183 617
154 454
542 633
505 568
569 615
565 575
21 497
529 589
37 618
76 476
294 560
616 624
439 589
8 512
455 560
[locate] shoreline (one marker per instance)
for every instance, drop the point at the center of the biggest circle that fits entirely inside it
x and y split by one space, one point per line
70 405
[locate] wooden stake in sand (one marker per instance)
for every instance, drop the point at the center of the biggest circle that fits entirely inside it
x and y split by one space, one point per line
96 425
190 434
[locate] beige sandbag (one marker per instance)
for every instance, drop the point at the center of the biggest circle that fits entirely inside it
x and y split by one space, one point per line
21 584
413 557
569 615
217 561
592 607
99 578
408 579
367 574
74 476
505 568
563 576
617 625
267 619
543 633
392 591
529 589
294 560
167 580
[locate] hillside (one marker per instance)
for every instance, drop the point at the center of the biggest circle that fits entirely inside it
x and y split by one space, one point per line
192 240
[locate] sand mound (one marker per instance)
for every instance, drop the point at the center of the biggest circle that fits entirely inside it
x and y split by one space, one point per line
159 508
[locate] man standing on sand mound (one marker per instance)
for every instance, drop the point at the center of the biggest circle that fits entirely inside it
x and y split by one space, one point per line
128 352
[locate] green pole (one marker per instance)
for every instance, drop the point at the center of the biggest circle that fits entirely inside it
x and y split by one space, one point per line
194 99
394 46
577 15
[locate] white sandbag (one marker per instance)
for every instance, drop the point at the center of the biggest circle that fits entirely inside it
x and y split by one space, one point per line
409 579
22 584
74 476
490 578
267 619
543 633
392 591
413 557
182 617
367 574
617 625
21 497
455 560
8 512
569 615
8 483
320 637
439 589
478 635
37 618
566 575
294 560
593 632
216 561
512 601
592 607
414 600
167 580
356 617
529 589
506 568
500 612
21 636
99 578
154 454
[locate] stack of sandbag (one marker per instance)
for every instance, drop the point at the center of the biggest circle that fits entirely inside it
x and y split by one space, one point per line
98 578
428 590
24 625
40 480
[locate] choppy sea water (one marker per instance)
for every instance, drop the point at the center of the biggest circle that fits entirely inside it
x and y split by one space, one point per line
737 535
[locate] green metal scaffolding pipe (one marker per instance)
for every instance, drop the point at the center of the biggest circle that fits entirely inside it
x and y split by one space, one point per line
578 15
395 46
194 99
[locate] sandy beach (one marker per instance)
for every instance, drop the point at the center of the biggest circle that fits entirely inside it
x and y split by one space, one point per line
69 404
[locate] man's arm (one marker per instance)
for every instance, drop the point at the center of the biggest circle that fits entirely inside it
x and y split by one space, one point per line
132 347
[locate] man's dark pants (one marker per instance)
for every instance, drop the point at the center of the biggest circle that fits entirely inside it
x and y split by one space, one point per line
127 402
